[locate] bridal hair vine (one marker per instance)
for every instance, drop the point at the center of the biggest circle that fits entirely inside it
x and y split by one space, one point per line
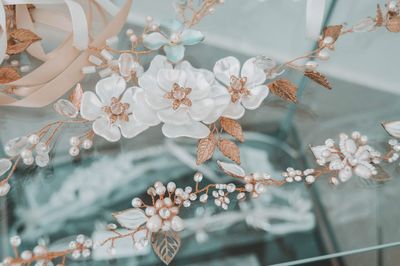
188 102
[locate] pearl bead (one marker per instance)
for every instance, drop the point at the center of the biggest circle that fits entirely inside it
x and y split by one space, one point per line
311 64
203 198
154 223
111 226
150 211
39 250
164 213
259 188
323 55
42 160
231 187
168 202
33 139
241 196
14 63
74 141
25 68
42 148
74 151
15 241
80 239
129 32
26 153
248 187
198 177
186 203
136 202
87 144
149 18
177 224
171 186
29 160
26 255
310 179
328 40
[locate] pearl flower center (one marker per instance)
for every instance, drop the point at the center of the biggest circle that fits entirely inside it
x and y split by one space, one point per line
117 110
178 95
237 88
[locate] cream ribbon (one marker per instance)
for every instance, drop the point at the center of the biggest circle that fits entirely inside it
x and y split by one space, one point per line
315 11
61 69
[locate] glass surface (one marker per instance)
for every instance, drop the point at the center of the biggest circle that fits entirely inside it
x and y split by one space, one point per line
354 224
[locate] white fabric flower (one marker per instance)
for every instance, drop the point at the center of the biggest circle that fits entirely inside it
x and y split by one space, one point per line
183 97
245 85
112 110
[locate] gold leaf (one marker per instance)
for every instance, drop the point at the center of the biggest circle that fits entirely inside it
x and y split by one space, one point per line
166 245
8 74
393 24
230 150
76 96
18 47
318 77
330 31
379 16
24 35
285 89
206 148
232 127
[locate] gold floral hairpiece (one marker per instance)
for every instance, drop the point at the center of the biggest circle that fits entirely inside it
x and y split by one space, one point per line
172 92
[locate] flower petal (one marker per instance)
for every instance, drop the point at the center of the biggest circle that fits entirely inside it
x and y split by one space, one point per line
190 37
132 128
221 101
255 75
127 97
158 62
345 173
190 70
234 111
5 165
155 99
131 218
172 25
174 53
142 111
257 95
167 77
175 117
194 130
201 109
225 68
362 171
90 106
110 87
154 40
105 129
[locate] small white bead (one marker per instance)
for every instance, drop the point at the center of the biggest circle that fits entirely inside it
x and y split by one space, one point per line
136 202
310 179
76 254
133 38
80 239
192 196
87 144
15 241
26 255
203 198
26 153
33 139
74 141
289 179
297 178
150 211
106 55
231 187
111 226
42 148
73 151
392 142
15 63
311 64
25 68
329 142
88 69
28 161
129 32
198 177
323 54
171 186
95 60
328 40
241 196
248 187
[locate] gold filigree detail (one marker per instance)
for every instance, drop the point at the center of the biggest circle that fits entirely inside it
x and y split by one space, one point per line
179 96
237 88
117 110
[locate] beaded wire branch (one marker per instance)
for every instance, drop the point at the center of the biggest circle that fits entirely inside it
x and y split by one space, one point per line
194 103
190 102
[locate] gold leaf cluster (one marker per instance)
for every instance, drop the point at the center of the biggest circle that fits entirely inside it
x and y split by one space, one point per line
8 74
207 146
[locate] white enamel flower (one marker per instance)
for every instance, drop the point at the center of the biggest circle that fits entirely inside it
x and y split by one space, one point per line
244 85
352 156
183 97
112 109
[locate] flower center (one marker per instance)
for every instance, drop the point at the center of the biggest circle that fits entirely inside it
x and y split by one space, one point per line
178 95
175 38
117 110
237 88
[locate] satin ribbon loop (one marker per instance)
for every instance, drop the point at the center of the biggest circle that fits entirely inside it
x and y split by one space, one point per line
315 12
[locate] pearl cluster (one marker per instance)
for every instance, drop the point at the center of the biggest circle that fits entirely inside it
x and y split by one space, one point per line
81 247
26 147
292 175
395 148
76 142
254 184
163 215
